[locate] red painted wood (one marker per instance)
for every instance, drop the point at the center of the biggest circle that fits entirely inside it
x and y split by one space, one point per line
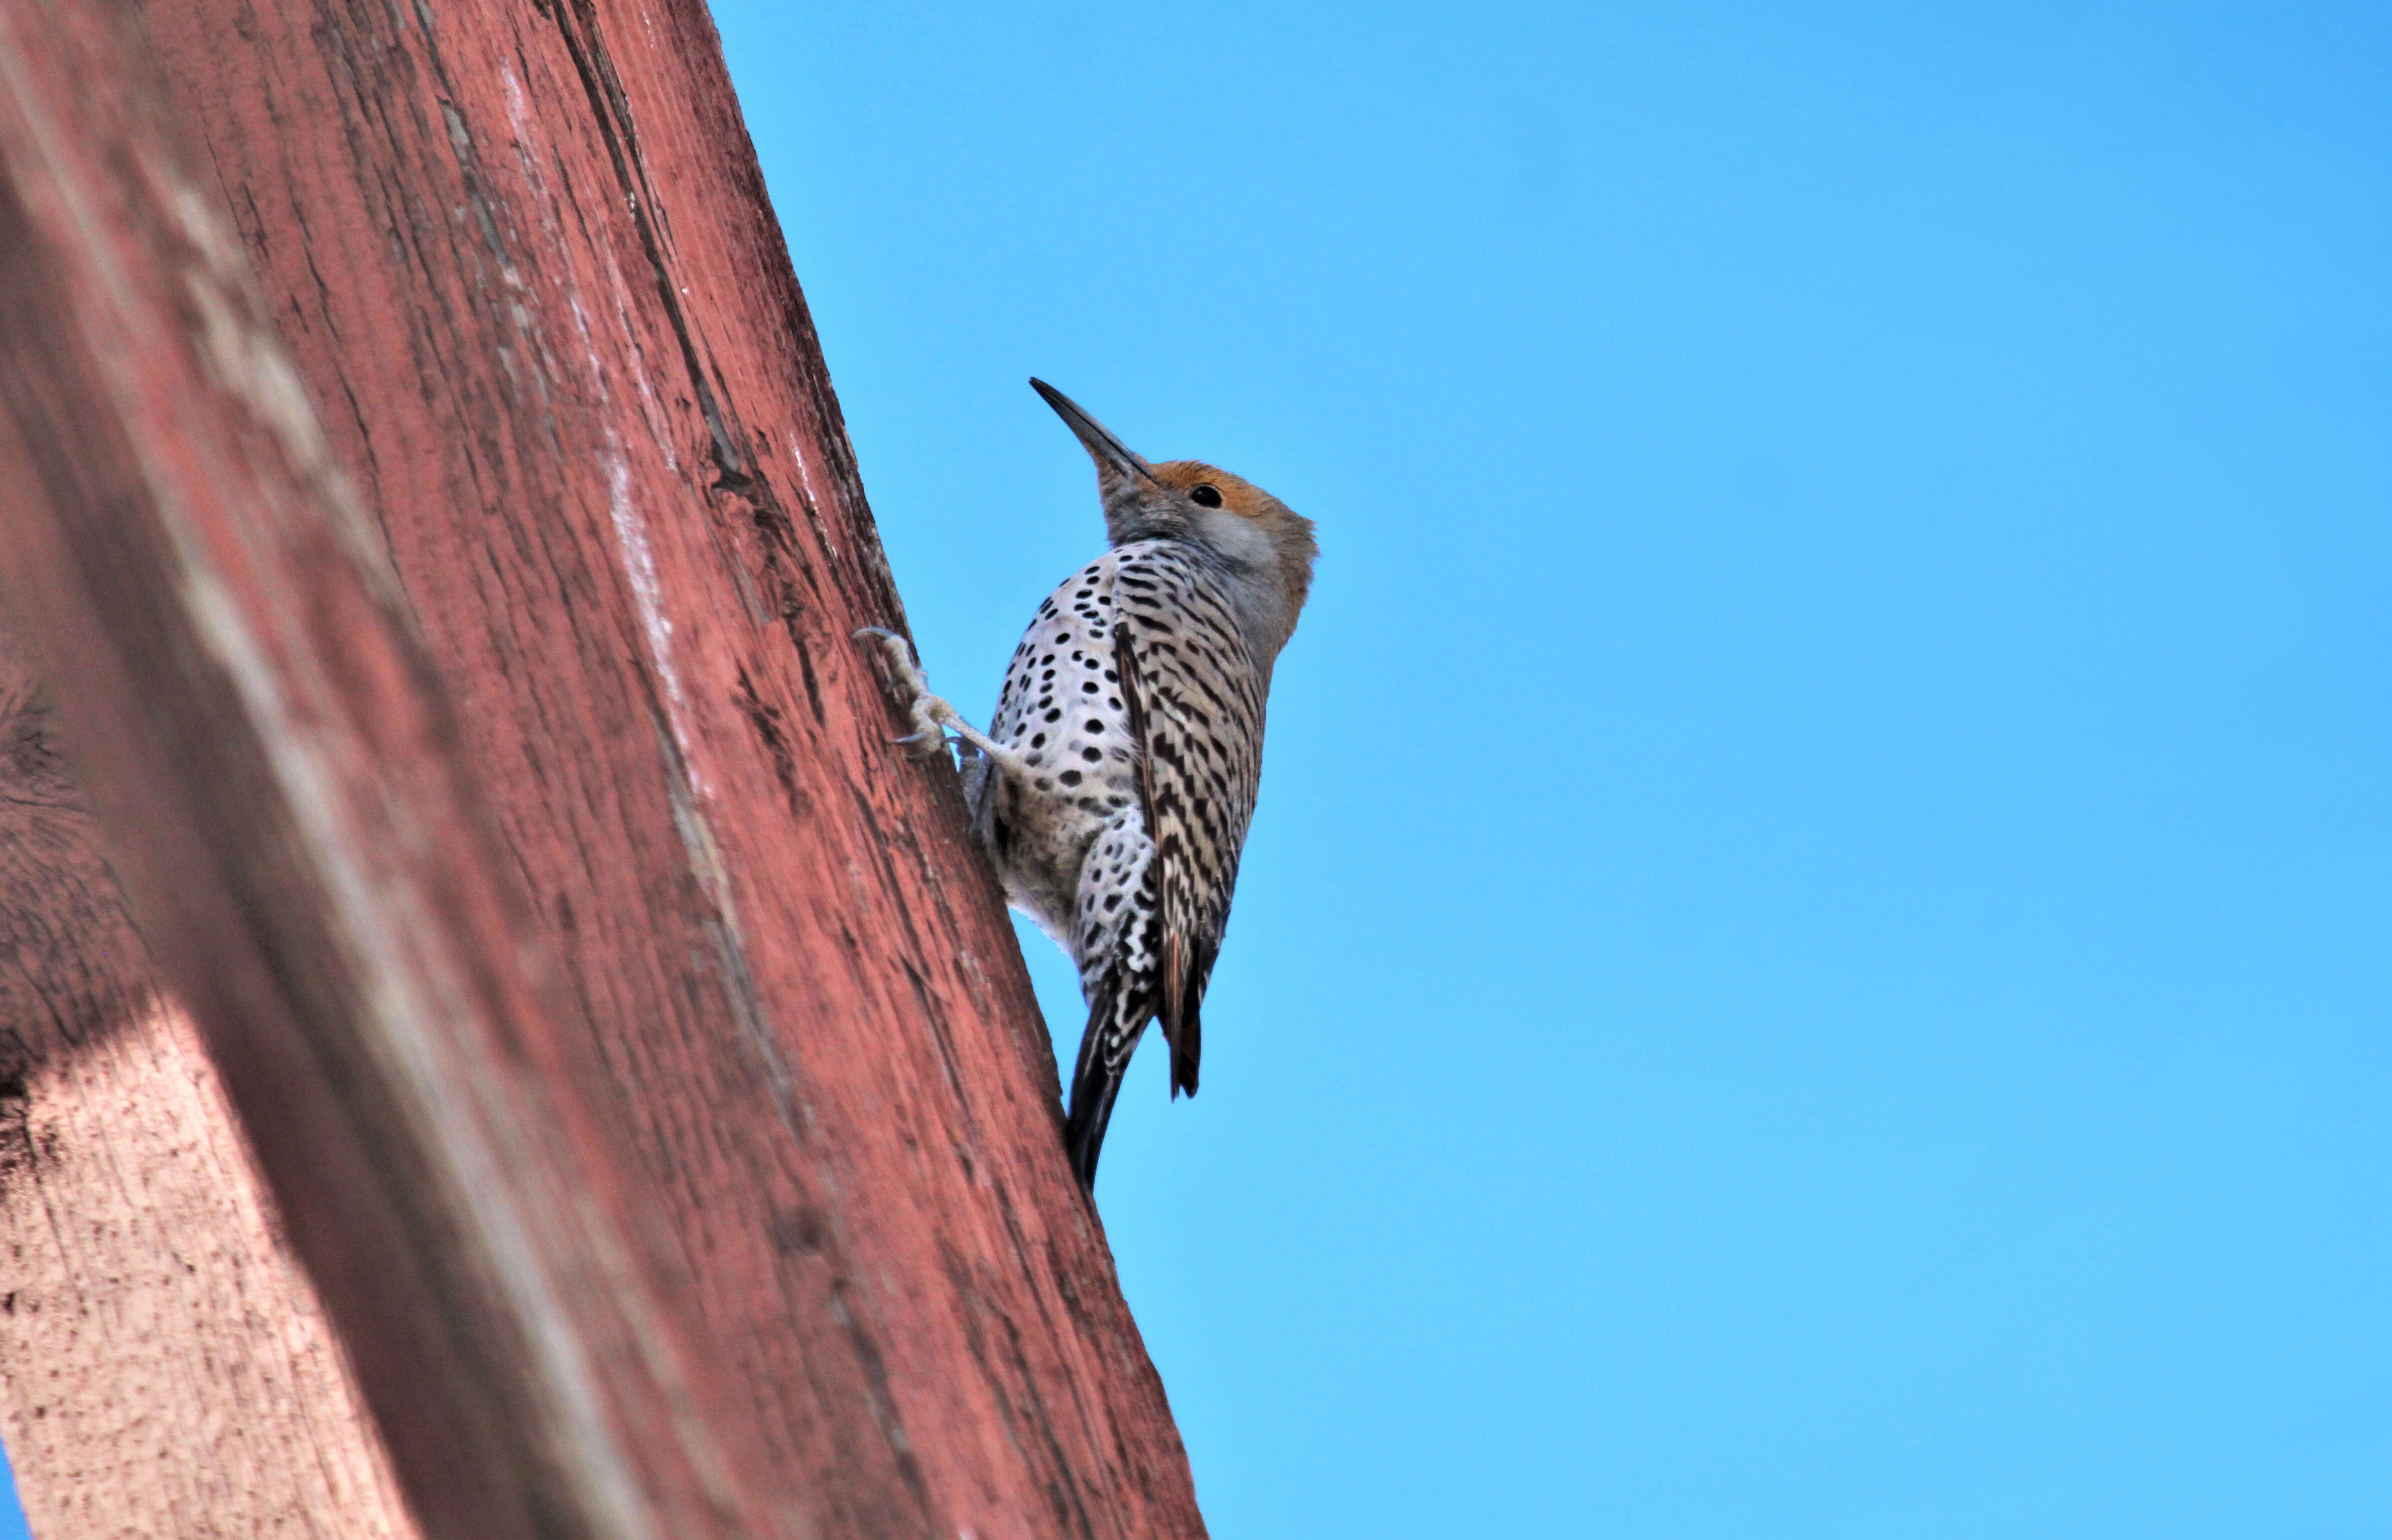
165 1366
272 759
523 257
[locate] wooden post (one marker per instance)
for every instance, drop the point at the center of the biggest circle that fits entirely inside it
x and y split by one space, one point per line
164 1367
268 749
521 258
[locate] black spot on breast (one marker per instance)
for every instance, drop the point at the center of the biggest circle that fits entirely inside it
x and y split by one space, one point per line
1094 726
1069 778
1092 755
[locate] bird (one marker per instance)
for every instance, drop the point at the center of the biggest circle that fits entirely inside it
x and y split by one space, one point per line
1115 787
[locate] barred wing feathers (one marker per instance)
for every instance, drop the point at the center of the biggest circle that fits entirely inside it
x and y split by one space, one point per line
1196 709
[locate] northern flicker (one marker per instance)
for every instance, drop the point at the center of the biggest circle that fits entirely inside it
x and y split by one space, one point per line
1115 786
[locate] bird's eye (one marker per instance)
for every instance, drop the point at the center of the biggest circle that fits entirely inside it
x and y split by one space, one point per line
1206 495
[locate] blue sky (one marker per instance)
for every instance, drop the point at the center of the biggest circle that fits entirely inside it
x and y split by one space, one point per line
1816 957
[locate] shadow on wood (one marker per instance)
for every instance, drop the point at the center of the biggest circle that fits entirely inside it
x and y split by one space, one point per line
164 1368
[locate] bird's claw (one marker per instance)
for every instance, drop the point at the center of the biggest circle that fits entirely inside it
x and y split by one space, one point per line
901 653
912 691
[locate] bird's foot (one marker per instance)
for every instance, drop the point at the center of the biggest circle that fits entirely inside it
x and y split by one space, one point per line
931 716
912 688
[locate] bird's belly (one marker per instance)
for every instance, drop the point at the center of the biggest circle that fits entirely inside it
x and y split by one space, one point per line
1063 711
1048 841
1042 879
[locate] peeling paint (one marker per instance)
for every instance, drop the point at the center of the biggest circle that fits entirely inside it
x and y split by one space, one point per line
813 494
639 568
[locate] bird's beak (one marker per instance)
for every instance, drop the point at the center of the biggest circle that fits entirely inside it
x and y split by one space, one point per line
1110 453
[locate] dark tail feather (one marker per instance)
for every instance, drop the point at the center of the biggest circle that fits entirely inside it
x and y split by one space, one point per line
1183 1004
1187 1047
1093 1089
1114 1027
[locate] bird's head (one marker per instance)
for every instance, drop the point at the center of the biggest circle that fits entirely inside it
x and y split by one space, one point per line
1265 544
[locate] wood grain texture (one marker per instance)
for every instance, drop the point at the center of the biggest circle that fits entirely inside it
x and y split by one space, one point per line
165 1369
269 752
523 259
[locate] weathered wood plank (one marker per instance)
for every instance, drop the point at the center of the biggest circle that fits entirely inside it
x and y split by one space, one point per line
523 255
269 753
164 1367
